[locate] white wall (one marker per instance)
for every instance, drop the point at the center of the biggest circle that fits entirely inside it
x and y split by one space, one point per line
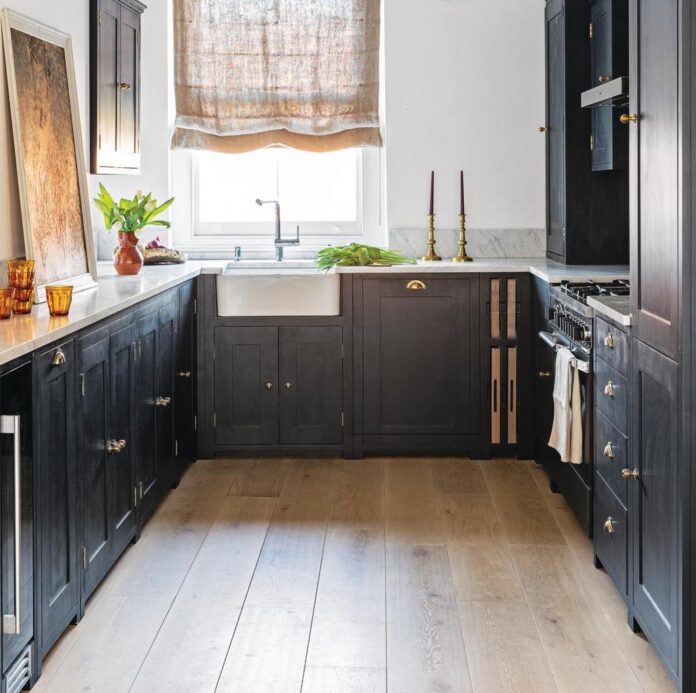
72 17
465 90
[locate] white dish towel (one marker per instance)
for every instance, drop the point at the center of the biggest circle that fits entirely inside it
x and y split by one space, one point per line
566 434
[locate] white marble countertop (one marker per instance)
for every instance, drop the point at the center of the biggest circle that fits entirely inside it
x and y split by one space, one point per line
23 334
617 308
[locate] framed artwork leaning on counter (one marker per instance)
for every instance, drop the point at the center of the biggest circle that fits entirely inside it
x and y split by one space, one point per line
53 191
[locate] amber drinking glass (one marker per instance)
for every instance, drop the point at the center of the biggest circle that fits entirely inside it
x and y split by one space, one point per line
59 299
20 273
6 303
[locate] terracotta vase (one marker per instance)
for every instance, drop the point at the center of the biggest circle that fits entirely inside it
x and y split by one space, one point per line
128 258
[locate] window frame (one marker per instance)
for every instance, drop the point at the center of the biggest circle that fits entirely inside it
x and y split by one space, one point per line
191 235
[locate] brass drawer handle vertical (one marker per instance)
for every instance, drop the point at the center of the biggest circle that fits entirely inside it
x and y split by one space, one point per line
416 285
609 526
58 358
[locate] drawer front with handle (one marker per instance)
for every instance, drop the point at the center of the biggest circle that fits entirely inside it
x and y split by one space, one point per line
611 455
611 393
611 535
611 345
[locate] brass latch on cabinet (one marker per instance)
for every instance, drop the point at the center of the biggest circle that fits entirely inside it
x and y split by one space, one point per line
163 401
630 473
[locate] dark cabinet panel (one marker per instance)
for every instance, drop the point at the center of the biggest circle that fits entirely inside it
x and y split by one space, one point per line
655 508
587 214
611 535
94 456
246 382
311 393
421 356
115 85
166 336
16 480
122 399
655 173
55 381
145 417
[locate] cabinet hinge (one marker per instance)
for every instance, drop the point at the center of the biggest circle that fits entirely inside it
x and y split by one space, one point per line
195 422
195 306
84 558
82 384
591 143
176 448
214 420
591 30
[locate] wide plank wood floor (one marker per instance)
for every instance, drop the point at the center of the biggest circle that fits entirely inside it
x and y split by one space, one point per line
332 576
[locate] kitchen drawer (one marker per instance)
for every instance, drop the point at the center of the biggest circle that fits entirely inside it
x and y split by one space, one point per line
611 455
611 535
611 393
611 345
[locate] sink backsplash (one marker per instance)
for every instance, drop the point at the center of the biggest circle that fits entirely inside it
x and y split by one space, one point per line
481 243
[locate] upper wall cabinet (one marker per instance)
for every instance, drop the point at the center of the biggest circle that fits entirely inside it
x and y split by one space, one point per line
587 213
115 85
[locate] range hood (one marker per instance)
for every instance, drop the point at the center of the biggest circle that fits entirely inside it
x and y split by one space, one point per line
613 93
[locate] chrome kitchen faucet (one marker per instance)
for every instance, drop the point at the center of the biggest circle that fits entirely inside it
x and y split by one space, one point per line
279 242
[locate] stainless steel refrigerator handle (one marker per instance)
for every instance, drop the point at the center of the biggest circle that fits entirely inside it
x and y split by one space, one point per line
11 425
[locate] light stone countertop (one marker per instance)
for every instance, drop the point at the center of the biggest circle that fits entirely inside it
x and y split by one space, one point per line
617 308
23 334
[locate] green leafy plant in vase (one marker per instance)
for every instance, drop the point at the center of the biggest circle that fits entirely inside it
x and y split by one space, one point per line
127 218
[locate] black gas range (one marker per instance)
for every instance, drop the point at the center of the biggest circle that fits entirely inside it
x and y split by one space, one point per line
569 313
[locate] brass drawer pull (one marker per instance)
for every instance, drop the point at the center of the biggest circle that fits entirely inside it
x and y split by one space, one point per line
625 119
58 358
609 451
609 526
630 473
609 341
416 285
288 386
609 389
125 86
269 386
543 129
604 78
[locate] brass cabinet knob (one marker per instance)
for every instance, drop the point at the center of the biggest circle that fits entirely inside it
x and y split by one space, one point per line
604 78
416 285
609 389
630 473
545 374
184 374
609 525
125 86
269 386
609 451
625 119
543 128
609 341
288 386
58 358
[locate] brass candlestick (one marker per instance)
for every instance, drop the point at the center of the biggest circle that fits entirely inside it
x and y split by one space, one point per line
431 255
461 255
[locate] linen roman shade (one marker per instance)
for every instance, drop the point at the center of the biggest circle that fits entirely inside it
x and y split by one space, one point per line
256 73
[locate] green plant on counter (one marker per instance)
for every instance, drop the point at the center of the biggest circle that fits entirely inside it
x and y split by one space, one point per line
129 216
357 255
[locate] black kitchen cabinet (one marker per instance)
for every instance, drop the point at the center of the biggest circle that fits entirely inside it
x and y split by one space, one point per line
417 377
655 173
246 382
654 506
17 525
587 215
310 398
55 384
94 455
608 60
167 327
115 85
185 384
148 473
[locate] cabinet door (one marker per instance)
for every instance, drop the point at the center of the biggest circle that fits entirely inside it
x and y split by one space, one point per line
311 392
166 336
655 173
655 498
185 377
555 123
421 356
145 416
94 459
129 104
15 399
56 384
246 386
122 477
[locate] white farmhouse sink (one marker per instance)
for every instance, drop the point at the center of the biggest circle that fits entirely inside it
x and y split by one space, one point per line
270 290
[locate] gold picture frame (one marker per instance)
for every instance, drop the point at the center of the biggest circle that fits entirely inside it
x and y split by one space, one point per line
49 153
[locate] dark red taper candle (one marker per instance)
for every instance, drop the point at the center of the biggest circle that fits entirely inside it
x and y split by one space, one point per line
461 192
432 192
